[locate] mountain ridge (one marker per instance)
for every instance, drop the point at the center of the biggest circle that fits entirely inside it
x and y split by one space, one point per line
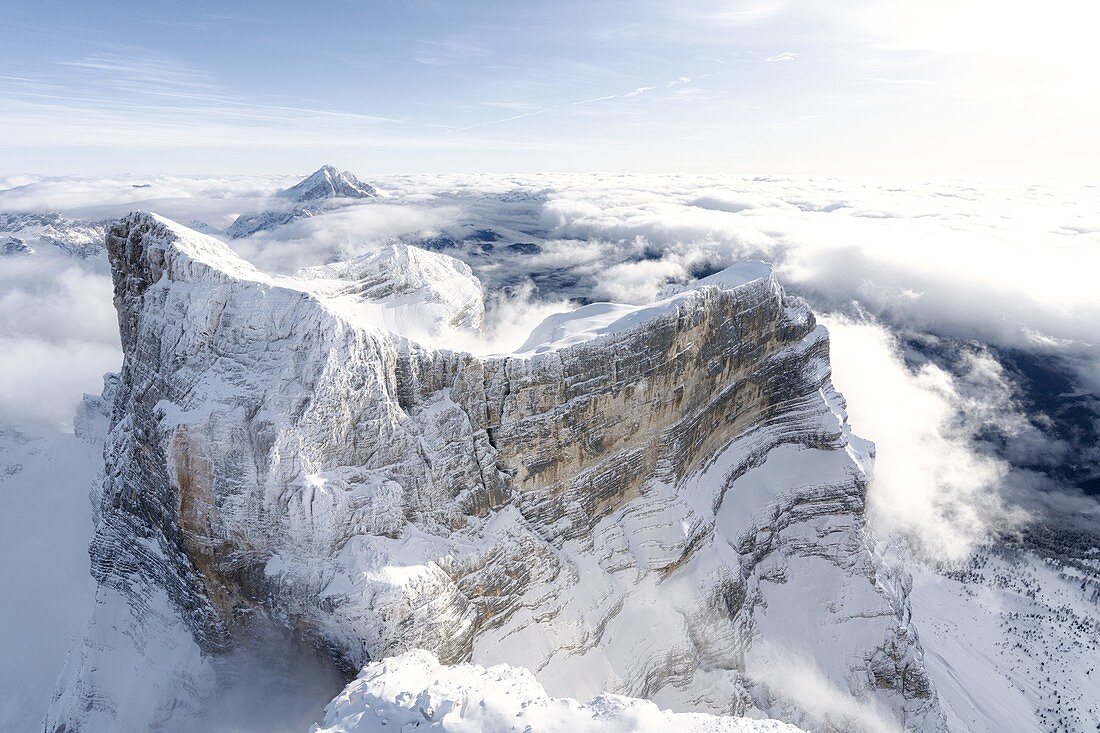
642 512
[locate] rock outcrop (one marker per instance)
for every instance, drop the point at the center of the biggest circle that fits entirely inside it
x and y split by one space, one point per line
660 501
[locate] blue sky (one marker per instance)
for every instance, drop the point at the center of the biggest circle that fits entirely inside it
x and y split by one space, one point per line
828 87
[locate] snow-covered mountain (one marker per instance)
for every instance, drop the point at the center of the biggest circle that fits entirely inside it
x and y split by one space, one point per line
23 233
660 501
318 192
328 183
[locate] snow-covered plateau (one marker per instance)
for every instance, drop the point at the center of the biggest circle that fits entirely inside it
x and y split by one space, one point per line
538 455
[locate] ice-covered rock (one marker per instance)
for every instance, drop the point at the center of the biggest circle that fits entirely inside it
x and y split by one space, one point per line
660 501
415 690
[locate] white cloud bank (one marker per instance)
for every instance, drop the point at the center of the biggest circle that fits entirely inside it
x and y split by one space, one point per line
58 336
931 482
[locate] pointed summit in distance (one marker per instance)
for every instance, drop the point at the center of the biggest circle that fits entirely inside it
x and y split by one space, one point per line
317 193
329 183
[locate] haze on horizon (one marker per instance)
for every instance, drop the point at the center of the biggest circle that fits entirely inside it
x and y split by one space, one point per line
940 88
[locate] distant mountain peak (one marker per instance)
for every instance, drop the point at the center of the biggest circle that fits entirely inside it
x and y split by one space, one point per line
326 183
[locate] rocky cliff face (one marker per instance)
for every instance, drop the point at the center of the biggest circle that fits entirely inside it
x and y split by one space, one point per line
661 501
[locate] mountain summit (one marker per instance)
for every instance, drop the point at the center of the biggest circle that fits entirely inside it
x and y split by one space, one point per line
329 183
314 195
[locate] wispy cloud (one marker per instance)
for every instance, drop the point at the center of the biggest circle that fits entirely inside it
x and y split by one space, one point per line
502 120
604 98
450 52
636 92
920 82
143 73
737 14
517 106
420 72
114 99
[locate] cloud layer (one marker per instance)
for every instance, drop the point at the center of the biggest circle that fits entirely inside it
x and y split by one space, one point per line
58 336
932 482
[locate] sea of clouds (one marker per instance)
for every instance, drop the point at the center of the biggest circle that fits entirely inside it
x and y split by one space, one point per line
985 267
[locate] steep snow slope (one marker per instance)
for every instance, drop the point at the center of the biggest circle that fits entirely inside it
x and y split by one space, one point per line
664 502
45 587
415 690
1013 642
